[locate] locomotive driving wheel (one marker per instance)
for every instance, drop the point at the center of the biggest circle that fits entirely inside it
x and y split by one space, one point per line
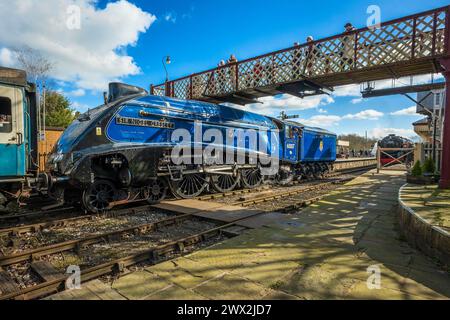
156 192
224 183
98 196
190 186
285 176
252 178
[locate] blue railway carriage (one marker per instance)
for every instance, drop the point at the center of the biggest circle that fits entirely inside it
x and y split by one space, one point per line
137 146
18 137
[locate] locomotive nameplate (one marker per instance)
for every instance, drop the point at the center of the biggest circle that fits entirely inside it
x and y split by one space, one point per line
144 123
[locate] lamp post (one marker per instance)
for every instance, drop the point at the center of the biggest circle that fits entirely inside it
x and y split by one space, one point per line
166 61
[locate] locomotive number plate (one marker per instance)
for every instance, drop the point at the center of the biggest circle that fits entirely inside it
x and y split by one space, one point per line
144 123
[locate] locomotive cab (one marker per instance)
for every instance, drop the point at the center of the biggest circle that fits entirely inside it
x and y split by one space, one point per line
292 137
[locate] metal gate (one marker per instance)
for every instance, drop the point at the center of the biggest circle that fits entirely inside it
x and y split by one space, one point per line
386 161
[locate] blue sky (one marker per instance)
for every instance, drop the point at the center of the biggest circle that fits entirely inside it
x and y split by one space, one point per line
199 33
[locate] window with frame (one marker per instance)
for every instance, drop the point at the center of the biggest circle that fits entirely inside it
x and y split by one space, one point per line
437 100
5 115
289 132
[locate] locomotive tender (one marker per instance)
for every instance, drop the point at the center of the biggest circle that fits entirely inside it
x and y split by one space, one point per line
124 150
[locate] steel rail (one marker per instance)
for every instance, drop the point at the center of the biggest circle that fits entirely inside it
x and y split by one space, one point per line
78 244
245 191
281 195
231 193
35 227
153 256
22 216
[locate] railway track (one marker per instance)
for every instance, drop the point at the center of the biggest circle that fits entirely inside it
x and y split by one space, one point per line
39 226
34 214
271 196
79 244
151 256
216 196
280 195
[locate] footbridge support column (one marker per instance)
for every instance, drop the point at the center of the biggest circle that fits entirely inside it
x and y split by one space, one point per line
445 172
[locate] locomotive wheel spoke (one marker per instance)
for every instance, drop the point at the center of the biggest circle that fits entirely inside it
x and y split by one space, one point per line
252 178
224 183
98 196
156 192
189 187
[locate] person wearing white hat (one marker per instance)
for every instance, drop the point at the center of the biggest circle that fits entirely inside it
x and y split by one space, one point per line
348 47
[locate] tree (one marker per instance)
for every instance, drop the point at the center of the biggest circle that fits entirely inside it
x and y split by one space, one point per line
59 113
429 168
37 68
34 63
417 169
358 142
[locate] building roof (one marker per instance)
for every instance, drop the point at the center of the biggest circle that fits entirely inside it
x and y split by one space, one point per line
424 121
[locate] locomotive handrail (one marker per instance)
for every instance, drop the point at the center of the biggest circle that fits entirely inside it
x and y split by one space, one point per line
420 36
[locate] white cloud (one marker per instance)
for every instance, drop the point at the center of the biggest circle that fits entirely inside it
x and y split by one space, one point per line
285 102
7 58
90 56
365 115
322 110
171 17
357 100
384 132
411 111
321 121
80 107
352 90
77 93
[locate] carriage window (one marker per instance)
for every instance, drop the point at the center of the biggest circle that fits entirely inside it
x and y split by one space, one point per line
5 115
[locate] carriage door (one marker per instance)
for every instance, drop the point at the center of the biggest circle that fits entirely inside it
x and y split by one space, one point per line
291 144
12 149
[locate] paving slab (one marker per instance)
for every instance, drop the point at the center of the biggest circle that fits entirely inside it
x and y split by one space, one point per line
263 220
227 214
230 287
185 273
139 285
175 293
93 290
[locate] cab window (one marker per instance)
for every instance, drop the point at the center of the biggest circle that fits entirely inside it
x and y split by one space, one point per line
289 132
5 115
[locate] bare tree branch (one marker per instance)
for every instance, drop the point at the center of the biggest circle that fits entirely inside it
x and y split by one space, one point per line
34 63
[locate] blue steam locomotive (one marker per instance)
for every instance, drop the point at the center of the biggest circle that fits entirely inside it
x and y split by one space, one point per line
137 146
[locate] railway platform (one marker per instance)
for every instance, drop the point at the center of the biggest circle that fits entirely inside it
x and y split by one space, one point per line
346 246
425 220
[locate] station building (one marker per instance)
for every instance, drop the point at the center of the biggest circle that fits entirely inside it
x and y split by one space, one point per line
429 129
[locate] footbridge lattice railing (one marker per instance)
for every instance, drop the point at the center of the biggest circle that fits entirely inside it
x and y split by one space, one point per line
420 36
